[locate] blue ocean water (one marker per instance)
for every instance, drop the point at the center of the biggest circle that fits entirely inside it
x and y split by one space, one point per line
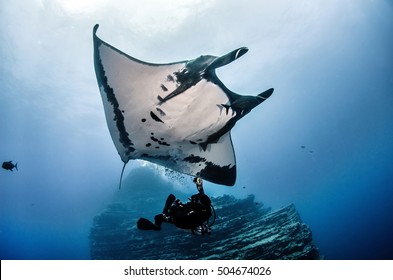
323 141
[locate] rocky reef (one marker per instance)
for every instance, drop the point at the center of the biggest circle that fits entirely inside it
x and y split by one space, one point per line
244 229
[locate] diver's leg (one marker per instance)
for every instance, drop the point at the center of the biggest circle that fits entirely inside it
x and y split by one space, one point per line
159 219
171 198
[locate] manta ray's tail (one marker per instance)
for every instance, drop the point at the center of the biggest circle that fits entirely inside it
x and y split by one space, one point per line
121 176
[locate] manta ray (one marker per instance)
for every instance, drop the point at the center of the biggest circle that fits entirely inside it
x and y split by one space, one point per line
178 115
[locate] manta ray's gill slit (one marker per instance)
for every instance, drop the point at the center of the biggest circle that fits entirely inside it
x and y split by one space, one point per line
170 78
162 113
154 117
163 87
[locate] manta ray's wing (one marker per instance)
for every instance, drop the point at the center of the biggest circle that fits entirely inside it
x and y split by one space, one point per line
178 115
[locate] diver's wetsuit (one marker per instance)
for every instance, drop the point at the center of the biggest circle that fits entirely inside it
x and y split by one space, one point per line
183 215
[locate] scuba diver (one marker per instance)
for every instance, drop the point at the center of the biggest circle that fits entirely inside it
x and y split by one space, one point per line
193 215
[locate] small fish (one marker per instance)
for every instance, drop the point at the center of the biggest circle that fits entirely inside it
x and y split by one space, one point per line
8 165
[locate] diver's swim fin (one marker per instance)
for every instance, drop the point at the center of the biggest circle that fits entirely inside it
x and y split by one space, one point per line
145 224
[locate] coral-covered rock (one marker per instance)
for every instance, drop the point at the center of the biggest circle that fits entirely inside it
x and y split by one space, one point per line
243 229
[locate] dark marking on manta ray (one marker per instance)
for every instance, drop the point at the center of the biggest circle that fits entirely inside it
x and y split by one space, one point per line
227 107
157 147
214 172
163 143
162 100
194 159
111 97
170 78
163 87
148 145
143 120
154 117
203 146
162 113
189 76
194 143
152 133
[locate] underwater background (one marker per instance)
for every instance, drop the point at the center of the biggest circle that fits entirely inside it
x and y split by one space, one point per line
323 140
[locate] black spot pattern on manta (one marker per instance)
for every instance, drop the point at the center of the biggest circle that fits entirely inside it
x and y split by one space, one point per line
148 145
160 142
163 87
154 117
194 159
143 120
193 143
111 97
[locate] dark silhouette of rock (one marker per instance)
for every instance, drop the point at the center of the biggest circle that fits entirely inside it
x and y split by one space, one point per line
243 229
